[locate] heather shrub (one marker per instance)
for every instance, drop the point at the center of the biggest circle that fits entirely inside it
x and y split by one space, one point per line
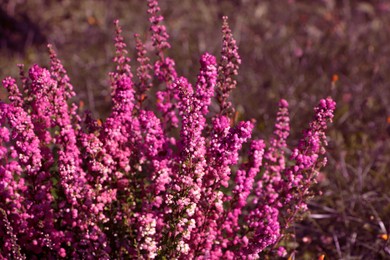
172 180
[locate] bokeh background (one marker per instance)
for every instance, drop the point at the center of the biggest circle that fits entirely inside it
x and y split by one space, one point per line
300 50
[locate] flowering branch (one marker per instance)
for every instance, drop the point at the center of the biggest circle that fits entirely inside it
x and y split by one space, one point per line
128 187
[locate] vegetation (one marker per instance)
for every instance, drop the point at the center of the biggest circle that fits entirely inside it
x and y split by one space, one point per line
301 51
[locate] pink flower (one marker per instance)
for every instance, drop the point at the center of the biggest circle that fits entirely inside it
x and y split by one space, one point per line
133 186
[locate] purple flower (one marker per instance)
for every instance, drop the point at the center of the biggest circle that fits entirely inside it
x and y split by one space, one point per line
133 186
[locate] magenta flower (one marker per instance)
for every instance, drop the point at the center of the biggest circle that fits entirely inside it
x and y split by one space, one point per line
133 186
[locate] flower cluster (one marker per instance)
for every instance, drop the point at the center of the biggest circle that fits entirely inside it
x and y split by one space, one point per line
135 186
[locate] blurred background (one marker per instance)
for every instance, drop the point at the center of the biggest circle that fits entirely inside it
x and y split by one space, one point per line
300 50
